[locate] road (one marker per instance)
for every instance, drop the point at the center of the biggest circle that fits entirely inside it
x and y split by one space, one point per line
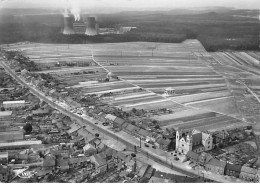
124 139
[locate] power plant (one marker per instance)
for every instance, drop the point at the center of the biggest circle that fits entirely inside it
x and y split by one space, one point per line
91 26
88 27
68 24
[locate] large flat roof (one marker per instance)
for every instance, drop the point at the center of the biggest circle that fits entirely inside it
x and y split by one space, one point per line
5 113
12 102
20 143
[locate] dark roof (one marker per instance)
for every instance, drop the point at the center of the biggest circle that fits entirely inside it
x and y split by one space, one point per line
216 163
233 167
162 141
131 127
119 121
125 125
192 155
143 132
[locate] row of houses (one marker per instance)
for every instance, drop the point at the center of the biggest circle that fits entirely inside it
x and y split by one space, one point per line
214 165
120 124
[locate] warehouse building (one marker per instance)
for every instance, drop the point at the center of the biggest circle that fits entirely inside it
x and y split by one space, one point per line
14 104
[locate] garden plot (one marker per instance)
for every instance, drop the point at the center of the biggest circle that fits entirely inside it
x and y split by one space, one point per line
200 96
226 105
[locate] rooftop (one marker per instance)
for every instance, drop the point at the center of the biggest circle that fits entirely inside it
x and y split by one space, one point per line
5 113
12 102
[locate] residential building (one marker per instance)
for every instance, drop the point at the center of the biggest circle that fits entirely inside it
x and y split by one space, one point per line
233 170
100 163
63 164
4 158
118 123
215 166
4 173
131 129
143 134
49 161
165 144
193 140
204 158
192 156
249 174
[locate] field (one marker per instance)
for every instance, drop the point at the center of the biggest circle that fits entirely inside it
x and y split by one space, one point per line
203 94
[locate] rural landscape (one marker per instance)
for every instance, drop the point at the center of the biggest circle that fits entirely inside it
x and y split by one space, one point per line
130 97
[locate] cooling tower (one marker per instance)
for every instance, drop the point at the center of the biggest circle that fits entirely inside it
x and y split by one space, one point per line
91 26
68 25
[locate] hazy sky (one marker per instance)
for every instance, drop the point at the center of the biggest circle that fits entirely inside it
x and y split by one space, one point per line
254 4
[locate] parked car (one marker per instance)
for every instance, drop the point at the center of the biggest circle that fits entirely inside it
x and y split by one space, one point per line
96 123
105 124
146 145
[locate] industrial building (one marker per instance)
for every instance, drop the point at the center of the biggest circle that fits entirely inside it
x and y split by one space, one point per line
79 27
88 27
14 104
18 145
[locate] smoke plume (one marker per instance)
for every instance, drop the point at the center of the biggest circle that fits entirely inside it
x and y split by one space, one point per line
72 6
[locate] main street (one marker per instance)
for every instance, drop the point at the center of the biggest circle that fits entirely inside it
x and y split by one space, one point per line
126 139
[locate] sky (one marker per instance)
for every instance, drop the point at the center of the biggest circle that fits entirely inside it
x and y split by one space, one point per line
144 4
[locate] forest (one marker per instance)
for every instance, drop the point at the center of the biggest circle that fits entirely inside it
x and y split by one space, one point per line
214 30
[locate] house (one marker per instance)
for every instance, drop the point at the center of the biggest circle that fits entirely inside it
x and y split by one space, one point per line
220 137
193 140
153 137
249 174
4 173
49 161
165 144
95 113
204 158
4 158
215 166
193 157
110 117
100 163
89 150
118 123
73 128
98 144
131 129
233 170
142 170
149 172
143 134
63 164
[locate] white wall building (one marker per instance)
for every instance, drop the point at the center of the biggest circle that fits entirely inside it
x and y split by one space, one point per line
13 104
193 140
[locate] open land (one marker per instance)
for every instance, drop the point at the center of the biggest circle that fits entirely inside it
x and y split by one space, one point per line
144 71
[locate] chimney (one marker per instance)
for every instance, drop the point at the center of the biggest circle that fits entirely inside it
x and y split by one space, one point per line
91 29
